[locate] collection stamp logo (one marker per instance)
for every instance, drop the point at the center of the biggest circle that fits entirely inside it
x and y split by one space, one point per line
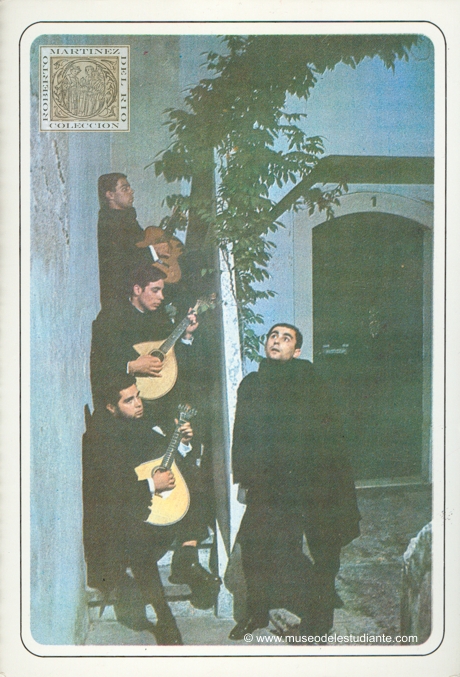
84 88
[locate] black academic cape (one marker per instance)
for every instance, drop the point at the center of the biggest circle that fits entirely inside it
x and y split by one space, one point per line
118 231
116 330
115 502
290 454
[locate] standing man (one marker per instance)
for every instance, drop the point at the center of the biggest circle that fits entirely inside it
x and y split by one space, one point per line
289 455
118 232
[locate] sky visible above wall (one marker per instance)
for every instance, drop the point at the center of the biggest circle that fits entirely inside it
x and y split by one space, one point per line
375 111
369 110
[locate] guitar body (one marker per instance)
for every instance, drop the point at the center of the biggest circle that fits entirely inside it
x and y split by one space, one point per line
168 263
151 387
168 507
154 387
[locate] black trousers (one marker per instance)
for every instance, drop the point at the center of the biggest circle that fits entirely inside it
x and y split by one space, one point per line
140 546
279 575
146 544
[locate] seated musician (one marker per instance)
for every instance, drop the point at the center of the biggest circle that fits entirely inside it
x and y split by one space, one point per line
116 504
136 319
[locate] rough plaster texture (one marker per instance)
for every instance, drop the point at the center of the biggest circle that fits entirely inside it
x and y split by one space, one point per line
64 300
63 303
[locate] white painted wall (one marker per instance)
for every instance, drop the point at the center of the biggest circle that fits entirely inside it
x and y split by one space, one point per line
65 300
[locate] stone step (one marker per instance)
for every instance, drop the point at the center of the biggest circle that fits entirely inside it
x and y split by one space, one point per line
174 593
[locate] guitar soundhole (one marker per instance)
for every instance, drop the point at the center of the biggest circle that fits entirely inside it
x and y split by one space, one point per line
158 468
159 354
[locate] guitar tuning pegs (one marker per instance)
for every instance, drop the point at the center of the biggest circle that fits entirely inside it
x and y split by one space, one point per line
186 411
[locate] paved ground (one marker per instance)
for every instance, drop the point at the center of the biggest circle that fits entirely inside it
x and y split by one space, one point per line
368 581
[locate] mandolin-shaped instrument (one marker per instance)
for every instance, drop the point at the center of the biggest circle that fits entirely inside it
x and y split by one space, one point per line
168 507
154 387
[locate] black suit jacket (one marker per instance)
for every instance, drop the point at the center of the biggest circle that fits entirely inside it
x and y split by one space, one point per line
115 502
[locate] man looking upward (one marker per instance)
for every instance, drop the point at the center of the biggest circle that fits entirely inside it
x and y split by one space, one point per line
289 455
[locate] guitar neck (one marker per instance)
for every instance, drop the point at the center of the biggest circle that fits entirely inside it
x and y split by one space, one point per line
168 458
200 307
172 338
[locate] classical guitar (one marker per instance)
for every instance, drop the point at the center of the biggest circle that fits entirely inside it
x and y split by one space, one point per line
154 387
168 507
171 249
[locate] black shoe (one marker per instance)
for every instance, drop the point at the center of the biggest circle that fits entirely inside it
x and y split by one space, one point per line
248 625
167 633
204 596
307 629
204 585
194 575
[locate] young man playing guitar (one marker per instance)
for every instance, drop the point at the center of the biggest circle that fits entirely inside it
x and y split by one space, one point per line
116 504
139 318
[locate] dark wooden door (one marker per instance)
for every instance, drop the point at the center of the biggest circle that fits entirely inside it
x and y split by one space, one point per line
368 336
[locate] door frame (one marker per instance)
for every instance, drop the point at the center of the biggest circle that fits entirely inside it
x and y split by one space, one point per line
417 211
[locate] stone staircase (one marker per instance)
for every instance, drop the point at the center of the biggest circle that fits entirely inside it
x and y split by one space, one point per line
104 628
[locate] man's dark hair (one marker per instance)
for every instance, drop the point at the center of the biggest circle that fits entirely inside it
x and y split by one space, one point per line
145 274
115 385
298 333
107 182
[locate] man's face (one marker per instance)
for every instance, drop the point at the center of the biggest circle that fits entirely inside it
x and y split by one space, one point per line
151 297
122 197
280 344
129 405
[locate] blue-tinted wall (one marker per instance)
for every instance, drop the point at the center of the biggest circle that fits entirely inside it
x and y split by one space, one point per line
65 300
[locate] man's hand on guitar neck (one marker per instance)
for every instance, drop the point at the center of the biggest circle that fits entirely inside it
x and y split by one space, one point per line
146 365
187 432
192 326
164 480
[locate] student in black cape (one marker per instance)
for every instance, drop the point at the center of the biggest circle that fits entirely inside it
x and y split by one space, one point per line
121 548
118 232
289 455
